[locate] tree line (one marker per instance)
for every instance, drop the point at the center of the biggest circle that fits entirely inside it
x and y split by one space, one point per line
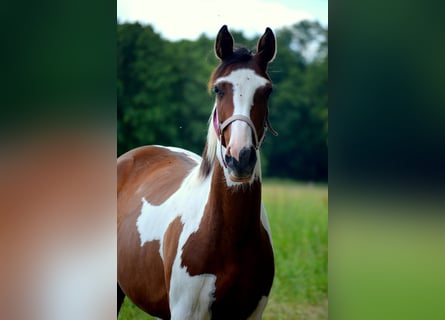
162 95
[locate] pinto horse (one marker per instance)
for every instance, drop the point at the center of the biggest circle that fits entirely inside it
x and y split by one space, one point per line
193 236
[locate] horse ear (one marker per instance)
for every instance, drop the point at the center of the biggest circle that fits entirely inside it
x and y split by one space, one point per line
266 48
223 43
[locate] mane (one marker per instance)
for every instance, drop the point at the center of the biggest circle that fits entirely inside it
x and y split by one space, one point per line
209 153
240 55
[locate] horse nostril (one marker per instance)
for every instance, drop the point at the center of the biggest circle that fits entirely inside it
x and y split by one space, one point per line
245 164
247 157
230 161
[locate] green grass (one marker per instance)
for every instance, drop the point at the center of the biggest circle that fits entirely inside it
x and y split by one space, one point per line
298 215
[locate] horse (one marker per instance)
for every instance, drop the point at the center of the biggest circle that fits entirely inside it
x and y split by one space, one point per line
194 240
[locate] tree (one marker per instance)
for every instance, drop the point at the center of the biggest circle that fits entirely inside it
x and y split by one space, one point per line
298 107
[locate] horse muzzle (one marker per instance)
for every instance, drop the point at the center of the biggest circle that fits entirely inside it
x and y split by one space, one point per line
241 170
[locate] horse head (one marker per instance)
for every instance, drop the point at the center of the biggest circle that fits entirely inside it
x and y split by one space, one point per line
240 115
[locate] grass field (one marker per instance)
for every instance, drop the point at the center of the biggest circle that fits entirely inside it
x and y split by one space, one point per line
298 215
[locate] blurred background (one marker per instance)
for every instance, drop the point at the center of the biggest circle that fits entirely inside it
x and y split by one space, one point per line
58 127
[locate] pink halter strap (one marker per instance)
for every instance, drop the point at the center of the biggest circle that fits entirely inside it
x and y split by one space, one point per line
220 127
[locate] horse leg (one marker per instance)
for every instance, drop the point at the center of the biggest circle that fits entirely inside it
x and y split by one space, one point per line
120 298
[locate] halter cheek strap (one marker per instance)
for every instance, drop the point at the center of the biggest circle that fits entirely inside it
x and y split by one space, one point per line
245 119
220 127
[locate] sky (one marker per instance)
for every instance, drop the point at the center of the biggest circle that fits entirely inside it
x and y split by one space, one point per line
188 19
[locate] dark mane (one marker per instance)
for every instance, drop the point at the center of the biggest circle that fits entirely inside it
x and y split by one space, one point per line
240 55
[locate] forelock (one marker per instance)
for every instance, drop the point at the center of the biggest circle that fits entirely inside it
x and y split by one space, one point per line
241 55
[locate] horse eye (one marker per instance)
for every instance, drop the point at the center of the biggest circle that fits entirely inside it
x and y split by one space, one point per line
218 90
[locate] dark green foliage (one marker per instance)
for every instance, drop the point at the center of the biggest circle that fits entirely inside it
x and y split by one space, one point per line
162 95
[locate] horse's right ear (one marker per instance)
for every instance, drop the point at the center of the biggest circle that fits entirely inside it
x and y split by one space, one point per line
223 43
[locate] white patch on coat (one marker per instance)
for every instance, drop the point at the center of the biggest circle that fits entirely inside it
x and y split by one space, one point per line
190 297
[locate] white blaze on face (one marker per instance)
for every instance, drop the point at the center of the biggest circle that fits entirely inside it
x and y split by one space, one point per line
244 82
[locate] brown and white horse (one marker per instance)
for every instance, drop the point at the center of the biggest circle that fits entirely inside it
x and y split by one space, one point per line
193 237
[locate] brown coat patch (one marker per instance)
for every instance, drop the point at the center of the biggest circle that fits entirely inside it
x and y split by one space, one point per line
171 239
153 173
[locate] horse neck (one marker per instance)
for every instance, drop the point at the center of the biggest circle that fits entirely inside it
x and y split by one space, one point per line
235 212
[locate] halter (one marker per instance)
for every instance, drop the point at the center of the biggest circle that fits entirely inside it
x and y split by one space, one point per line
220 127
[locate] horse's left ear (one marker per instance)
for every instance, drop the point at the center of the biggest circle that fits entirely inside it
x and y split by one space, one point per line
266 48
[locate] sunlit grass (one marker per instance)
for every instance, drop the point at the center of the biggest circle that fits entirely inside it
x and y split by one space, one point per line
298 215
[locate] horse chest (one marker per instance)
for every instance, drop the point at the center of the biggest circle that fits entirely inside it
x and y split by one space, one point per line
243 270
